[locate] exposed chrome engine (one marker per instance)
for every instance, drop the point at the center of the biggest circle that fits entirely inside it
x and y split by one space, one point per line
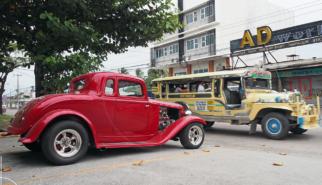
164 119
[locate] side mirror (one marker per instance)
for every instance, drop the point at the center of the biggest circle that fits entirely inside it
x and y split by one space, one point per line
250 82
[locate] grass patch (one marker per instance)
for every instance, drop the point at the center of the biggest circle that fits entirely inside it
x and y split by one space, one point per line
5 119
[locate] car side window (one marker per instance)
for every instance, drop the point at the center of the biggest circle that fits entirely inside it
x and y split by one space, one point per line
109 88
128 88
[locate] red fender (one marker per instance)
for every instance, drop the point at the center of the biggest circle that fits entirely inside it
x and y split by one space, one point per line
175 128
39 126
161 137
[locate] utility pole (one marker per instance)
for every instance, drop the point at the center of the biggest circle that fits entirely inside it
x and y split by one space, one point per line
17 89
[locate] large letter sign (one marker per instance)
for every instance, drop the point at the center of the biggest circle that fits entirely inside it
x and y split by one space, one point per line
247 39
259 35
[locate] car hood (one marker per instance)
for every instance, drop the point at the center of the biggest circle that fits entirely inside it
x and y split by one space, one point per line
166 104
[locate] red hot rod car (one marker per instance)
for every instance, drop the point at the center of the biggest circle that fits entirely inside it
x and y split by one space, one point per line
104 110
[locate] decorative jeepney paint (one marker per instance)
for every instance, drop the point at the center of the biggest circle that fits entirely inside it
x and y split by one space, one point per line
212 108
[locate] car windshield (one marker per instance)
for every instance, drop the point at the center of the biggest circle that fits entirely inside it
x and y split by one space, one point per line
257 83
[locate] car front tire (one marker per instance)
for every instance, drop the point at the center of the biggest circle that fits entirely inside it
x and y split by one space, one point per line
65 142
275 126
192 136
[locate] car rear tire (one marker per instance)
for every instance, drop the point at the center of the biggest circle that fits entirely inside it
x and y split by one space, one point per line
298 130
275 125
65 142
34 146
192 136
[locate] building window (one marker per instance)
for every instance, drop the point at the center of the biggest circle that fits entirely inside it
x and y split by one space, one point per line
191 17
196 43
174 49
161 53
165 51
200 71
156 54
206 12
202 13
207 40
190 45
179 74
195 15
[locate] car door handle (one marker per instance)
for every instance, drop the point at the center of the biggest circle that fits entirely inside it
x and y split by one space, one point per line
147 105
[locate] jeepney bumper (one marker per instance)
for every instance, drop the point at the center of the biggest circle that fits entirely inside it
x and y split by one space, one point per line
310 122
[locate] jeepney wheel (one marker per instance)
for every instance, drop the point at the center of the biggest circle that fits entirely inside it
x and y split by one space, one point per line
298 130
192 136
65 142
275 125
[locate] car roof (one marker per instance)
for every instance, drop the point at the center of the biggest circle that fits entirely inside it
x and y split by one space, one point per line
90 75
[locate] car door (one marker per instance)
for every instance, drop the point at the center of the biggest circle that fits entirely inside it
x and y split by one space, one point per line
132 108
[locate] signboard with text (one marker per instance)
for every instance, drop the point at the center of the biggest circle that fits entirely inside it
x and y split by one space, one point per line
303 72
266 39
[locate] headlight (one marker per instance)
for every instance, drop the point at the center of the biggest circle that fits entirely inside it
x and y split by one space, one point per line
188 112
21 121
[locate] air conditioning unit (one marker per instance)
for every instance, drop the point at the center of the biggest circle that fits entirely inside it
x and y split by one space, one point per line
220 68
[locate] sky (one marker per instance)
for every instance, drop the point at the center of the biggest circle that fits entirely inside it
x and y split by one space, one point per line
141 56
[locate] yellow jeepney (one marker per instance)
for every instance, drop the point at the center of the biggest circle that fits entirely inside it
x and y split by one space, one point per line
240 97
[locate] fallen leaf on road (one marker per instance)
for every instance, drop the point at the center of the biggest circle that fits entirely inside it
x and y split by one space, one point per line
6 169
21 145
186 153
282 154
13 146
34 176
0 151
206 150
261 145
278 164
216 145
138 164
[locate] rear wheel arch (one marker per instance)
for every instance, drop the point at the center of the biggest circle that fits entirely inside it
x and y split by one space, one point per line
75 118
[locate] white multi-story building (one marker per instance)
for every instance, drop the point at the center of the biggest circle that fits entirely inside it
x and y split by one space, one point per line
204 43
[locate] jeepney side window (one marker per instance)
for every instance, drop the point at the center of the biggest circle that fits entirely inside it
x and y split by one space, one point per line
217 83
164 89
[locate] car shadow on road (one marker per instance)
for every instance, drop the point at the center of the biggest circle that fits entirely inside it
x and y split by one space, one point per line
238 133
23 159
94 153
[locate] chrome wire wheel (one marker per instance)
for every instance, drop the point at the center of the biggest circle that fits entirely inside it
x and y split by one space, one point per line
67 143
195 135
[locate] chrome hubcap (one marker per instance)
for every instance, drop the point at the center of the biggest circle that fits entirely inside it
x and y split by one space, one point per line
195 135
67 143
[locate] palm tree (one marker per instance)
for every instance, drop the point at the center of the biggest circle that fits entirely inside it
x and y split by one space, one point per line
124 71
139 73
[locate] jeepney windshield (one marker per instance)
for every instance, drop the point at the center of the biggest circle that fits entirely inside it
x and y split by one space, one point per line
256 83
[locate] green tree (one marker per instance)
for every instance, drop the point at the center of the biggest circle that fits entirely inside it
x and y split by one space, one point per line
154 74
48 29
139 73
10 58
124 71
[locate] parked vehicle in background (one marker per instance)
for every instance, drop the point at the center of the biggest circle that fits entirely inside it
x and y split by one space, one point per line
241 97
103 110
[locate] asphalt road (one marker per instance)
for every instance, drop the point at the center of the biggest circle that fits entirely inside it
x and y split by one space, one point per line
239 160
